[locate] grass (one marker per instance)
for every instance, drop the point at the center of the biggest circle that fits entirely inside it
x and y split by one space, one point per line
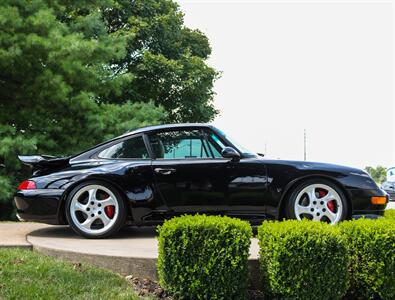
28 275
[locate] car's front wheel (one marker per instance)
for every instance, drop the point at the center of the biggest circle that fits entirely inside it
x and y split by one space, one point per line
95 210
318 200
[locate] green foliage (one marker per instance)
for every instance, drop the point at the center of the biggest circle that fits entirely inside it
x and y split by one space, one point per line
371 245
28 275
74 73
166 59
379 174
302 260
12 143
112 120
390 214
204 257
54 73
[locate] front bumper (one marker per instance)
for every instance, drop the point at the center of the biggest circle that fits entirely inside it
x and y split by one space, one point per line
41 205
362 205
392 195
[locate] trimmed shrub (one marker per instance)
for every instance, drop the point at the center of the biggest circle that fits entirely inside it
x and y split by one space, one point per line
204 257
302 260
371 245
389 214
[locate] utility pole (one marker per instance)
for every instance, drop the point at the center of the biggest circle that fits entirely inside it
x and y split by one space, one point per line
305 138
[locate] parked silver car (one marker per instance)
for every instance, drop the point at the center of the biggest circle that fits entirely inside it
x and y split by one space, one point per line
389 187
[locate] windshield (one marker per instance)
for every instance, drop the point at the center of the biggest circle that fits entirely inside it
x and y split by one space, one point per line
244 151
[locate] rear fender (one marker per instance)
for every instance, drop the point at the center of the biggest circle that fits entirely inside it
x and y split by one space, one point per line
73 184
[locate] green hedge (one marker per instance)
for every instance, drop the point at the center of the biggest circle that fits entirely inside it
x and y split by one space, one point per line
371 246
390 214
302 260
204 257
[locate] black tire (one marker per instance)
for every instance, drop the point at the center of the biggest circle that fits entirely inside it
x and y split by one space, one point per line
118 223
289 210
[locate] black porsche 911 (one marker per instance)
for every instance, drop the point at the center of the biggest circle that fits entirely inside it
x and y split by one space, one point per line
148 175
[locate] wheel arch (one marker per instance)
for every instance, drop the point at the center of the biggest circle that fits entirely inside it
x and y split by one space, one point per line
295 183
69 189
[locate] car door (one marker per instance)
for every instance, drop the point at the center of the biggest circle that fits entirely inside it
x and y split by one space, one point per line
247 189
247 180
187 175
132 171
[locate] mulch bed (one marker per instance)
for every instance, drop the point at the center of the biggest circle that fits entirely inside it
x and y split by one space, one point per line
147 287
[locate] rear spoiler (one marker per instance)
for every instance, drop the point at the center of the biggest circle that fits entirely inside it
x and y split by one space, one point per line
44 161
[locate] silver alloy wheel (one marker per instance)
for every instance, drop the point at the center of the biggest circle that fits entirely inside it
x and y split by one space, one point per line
91 207
319 202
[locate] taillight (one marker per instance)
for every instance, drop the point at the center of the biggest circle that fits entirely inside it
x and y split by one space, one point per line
27 185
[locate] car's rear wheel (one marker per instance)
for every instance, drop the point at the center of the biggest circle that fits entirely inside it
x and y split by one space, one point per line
317 200
95 210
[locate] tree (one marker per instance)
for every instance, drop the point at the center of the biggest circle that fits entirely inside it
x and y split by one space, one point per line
166 59
74 73
55 71
379 174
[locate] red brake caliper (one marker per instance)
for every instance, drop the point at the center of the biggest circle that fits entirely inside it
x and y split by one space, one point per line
322 193
331 205
110 211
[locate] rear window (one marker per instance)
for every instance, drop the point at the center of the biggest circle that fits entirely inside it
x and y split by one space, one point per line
131 148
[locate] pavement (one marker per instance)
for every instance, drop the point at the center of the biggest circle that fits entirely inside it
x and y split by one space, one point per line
129 242
14 234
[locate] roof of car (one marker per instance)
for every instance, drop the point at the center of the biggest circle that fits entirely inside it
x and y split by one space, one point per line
166 126
86 153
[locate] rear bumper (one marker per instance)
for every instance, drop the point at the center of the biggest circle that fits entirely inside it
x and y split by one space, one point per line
41 205
362 205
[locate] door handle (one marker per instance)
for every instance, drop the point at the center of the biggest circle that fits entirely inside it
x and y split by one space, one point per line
164 171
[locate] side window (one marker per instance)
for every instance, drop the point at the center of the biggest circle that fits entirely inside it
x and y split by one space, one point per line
179 144
131 148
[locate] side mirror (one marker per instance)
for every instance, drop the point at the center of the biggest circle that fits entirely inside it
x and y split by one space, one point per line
229 152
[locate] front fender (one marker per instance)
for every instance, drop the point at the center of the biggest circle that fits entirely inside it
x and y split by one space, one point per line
296 181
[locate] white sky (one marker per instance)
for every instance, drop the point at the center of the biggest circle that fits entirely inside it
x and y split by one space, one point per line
326 66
